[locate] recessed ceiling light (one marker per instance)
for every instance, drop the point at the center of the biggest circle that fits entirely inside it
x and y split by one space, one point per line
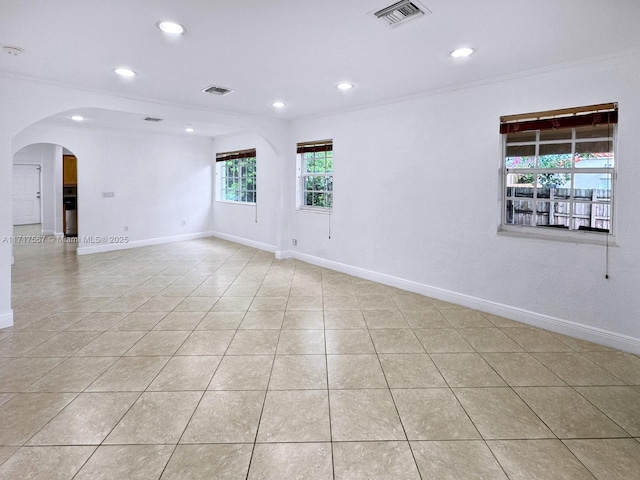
125 72
171 27
344 86
189 129
278 104
462 52
77 118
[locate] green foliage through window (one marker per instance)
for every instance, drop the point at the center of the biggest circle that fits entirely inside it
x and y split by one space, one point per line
238 180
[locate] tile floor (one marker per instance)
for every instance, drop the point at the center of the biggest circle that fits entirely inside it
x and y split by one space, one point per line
209 360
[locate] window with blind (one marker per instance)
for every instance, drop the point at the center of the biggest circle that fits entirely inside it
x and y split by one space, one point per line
315 167
559 169
236 172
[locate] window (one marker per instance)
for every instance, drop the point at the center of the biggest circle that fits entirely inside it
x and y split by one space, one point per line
559 167
315 160
237 176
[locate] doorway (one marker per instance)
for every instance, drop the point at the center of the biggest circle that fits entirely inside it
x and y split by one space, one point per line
26 194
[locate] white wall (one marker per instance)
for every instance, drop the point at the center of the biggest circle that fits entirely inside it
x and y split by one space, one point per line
416 204
255 225
158 182
49 158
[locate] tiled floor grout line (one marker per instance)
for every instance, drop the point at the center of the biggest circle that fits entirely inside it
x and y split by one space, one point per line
326 363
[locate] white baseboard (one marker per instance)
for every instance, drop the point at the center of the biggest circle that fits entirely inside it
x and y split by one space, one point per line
554 324
110 247
48 232
6 319
246 242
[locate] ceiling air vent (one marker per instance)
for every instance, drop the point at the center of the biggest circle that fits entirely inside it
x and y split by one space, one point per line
214 90
152 119
400 12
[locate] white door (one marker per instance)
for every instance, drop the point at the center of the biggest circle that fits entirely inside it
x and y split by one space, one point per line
26 194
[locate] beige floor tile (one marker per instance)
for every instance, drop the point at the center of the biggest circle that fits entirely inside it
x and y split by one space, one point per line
410 370
64 344
5 397
125 304
249 372
205 462
625 366
502 322
299 372
376 302
139 321
155 418
301 342
442 340
196 304
426 319
465 318
498 413
132 374
186 373
25 414
538 460
6 452
210 290
88 304
344 320
182 321
580 345
265 304
87 420
295 416
73 375
50 463
275 290
469 460
158 343
19 343
57 321
332 290
412 301
433 414
340 302
206 342
160 304
305 303
568 414
254 342
384 319
397 340
489 340
348 341
611 459
355 371
522 370
221 321
466 370
97 322
535 340
621 404
225 417
364 415
18 373
379 460
303 320
111 344
263 320
177 291
133 462
302 461
577 370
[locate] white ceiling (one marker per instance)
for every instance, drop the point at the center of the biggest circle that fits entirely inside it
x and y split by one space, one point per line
298 50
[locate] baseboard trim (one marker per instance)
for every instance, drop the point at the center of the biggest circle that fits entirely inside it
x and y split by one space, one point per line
6 319
547 322
244 241
110 247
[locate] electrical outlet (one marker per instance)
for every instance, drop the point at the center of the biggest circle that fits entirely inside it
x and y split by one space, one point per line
108 194
126 228
184 223
294 241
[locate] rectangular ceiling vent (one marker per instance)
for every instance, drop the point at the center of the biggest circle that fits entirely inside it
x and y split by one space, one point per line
400 12
215 90
152 119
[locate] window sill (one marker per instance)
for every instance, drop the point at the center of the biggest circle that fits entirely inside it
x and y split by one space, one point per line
230 202
324 211
566 236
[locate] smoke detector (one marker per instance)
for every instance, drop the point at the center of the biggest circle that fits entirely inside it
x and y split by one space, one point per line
13 51
400 12
215 90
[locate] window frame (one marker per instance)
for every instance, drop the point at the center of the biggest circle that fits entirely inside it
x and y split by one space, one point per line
568 233
241 161
328 176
